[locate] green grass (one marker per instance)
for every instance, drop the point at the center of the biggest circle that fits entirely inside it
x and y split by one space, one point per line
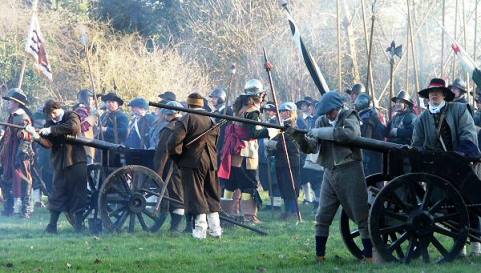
289 247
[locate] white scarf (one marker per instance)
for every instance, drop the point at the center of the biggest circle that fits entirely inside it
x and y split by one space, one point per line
434 109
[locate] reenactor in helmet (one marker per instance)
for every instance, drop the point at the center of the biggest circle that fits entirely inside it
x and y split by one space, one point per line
198 166
162 161
139 125
355 91
400 127
458 87
16 155
217 99
343 181
115 123
288 112
85 108
240 156
159 121
371 127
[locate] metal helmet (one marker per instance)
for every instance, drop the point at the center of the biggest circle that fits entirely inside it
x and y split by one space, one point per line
357 88
362 102
403 96
459 84
84 95
219 93
253 87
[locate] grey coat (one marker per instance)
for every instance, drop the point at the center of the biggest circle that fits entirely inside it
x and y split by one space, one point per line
460 123
331 154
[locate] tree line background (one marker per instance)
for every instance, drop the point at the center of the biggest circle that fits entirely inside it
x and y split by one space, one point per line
146 47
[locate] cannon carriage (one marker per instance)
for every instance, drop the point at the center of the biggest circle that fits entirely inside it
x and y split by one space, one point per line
420 205
124 193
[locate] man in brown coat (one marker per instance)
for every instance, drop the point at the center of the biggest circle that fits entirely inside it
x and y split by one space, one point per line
198 165
69 162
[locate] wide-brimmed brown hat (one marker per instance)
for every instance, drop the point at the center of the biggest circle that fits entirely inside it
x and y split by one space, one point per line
437 84
111 96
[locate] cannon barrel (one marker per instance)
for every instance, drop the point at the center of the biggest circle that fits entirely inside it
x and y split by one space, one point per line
357 142
94 143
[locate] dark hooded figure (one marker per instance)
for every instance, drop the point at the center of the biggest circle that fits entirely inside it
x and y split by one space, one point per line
343 181
371 127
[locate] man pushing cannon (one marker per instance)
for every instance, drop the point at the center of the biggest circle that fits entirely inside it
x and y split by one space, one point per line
69 161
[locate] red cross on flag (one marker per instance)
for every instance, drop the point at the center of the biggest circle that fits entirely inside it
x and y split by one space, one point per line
35 46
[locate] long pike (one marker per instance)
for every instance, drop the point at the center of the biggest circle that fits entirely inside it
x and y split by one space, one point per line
358 142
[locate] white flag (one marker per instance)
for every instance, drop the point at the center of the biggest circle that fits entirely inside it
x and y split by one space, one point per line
35 46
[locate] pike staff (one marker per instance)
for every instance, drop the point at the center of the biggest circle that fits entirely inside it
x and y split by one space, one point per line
232 71
393 52
369 81
84 39
268 67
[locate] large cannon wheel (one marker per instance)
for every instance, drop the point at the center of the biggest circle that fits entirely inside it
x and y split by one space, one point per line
129 196
418 215
349 232
95 174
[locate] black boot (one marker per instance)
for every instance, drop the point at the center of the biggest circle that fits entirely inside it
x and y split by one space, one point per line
52 225
367 251
78 222
321 247
175 221
189 223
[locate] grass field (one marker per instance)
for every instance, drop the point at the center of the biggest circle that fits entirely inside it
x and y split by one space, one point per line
289 247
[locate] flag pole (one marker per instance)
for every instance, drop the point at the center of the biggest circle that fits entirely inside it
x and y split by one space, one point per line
453 72
339 61
442 39
413 51
24 62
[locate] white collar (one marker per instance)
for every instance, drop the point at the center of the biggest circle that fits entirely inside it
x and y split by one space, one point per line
434 109
19 111
62 112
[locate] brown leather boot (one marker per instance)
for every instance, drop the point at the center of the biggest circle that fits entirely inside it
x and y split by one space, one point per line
249 208
230 206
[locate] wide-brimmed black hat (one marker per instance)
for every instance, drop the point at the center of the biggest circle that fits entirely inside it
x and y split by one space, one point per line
403 96
111 96
168 96
17 95
307 100
269 106
435 85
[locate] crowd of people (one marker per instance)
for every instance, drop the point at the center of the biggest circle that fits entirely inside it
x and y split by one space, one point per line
227 165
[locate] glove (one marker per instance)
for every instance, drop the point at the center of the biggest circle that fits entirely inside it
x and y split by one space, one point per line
393 132
323 133
31 130
272 132
45 131
297 135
